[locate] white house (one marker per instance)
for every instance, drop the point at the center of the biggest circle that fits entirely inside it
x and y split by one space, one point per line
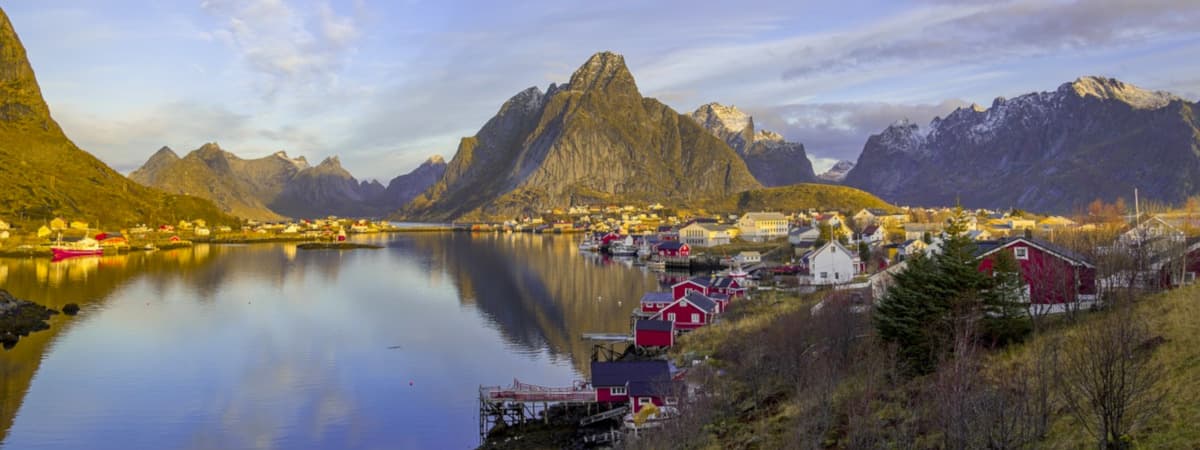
762 226
830 264
748 257
872 234
918 230
802 235
699 234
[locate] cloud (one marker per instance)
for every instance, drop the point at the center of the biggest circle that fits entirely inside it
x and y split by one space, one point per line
835 131
979 33
290 47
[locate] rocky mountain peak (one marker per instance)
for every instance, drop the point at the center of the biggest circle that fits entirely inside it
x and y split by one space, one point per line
604 72
1106 88
300 162
903 136
838 172
434 160
767 136
20 97
165 152
715 116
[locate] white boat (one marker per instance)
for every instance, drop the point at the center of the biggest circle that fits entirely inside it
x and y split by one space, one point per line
589 245
644 250
624 247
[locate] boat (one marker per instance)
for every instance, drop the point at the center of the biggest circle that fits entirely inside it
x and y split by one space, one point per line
623 248
644 250
82 247
589 245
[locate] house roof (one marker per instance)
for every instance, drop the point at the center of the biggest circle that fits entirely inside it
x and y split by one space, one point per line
670 245
877 211
992 247
621 373
871 229
800 230
701 301
723 282
658 297
764 216
653 325
703 281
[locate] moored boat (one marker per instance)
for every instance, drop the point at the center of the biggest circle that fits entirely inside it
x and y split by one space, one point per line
82 247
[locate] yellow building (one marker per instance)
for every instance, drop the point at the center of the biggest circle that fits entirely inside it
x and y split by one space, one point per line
79 225
58 224
43 231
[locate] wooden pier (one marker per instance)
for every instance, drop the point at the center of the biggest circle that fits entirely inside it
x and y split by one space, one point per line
522 402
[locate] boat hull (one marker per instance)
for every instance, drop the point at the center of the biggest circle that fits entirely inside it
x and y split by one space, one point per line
70 253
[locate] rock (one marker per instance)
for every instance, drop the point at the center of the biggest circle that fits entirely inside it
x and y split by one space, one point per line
70 309
20 317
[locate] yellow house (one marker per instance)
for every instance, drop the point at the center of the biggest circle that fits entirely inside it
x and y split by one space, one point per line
4 225
79 225
58 224
43 231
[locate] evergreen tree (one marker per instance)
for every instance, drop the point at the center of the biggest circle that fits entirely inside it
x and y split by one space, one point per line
1006 316
939 298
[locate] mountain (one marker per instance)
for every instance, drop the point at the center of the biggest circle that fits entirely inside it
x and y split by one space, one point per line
43 173
771 159
327 189
1049 151
404 188
239 186
278 186
594 139
838 172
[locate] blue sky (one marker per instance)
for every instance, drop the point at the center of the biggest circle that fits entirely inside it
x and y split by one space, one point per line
385 84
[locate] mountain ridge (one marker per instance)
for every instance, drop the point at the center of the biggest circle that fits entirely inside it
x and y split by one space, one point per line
1053 151
771 159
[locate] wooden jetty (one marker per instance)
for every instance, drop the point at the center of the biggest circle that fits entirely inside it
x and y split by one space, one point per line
522 402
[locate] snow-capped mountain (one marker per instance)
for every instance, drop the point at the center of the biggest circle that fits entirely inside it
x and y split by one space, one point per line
838 172
1049 151
771 159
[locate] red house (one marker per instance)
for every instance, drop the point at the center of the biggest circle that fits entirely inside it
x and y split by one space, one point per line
1053 275
697 284
692 311
653 302
728 286
653 333
674 249
638 383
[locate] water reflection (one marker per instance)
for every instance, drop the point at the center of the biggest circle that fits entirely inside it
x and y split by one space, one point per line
264 346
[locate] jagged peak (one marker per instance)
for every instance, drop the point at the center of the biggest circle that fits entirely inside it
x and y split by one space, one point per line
902 124
435 160
1106 88
331 161
604 71
768 136
528 99
18 84
730 118
165 152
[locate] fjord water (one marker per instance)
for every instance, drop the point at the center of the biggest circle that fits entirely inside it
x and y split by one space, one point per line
267 346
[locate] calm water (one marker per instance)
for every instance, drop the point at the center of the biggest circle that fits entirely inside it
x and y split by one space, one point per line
264 346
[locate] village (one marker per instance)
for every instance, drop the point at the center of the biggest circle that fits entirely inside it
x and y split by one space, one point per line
77 237
1065 265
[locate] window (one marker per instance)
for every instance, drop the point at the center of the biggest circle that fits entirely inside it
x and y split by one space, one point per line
836 275
824 274
671 317
1021 252
695 318
643 401
617 391
671 400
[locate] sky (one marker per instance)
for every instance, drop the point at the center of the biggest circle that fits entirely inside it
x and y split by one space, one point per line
386 84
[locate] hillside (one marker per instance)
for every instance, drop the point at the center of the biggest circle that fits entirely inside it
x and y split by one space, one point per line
799 197
45 175
594 139
1048 151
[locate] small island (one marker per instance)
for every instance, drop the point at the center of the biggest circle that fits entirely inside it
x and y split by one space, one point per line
335 246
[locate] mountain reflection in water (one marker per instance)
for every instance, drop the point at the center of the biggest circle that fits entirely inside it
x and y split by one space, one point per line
264 346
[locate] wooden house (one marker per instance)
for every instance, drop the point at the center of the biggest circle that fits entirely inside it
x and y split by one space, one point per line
638 383
1053 275
653 333
692 311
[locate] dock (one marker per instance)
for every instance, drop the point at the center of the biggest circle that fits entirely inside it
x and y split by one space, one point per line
607 337
522 402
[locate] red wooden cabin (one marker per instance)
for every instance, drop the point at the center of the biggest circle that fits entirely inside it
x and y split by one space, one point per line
692 311
653 302
1053 275
653 333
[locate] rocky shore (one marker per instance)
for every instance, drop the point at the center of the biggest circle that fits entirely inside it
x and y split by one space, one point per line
19 317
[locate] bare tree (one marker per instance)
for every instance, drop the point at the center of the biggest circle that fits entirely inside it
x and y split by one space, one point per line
1109 380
